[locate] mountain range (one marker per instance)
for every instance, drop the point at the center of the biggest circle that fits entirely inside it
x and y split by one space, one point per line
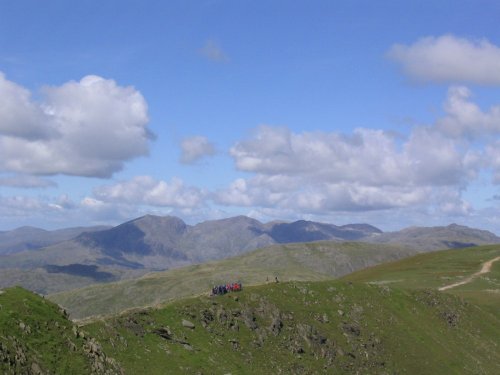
452 236
82 256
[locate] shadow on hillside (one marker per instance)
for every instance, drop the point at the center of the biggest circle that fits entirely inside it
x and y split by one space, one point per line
81 270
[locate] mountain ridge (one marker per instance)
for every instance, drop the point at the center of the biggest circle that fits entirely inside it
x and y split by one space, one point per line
438 237
170 237
155 243
33 238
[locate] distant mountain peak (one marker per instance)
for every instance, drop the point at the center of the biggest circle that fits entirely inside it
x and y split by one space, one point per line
150 217
439 237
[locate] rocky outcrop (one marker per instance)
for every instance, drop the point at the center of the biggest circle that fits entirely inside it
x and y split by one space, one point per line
99 362
35 334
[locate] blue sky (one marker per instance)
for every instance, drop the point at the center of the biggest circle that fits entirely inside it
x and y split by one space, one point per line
338 111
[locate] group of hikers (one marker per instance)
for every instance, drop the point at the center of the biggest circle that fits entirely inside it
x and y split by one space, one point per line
223 289
219 290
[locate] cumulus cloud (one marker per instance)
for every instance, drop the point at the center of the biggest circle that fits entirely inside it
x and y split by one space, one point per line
106 212
148 191
213 52
195 148
320 172
19 115
86 128
449 59
465 118
493 157
312 197
454 205
369 157
257 191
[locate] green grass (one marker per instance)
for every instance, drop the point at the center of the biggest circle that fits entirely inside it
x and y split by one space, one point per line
387 319
327 327
434 270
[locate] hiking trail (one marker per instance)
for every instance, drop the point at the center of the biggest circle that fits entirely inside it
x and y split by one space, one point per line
484 269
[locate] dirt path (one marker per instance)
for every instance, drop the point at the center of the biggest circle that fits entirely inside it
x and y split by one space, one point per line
484 269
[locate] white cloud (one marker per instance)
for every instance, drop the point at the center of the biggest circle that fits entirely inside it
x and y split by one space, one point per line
26 181
319 172
319 197
465 119
18 206
195 148
64 202
450 59
433 160
26 207
367 157
213 52
146 190
85 128
493 157
106 212
258 191
454 205
61 212
19 115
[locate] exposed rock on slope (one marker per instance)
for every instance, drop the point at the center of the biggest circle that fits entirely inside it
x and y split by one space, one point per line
306 328
37 338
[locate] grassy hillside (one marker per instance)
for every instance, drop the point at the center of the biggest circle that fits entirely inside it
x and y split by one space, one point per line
434 270
40 280
307 328
387 319
37 338
311 261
